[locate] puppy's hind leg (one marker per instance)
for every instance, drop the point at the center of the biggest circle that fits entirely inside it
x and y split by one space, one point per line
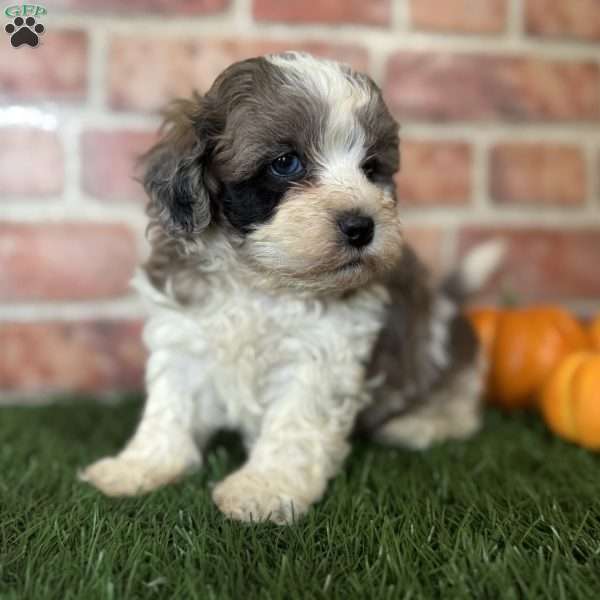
163 448
433 365
451 412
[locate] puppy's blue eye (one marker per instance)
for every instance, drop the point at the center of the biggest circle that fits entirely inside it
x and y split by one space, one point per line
287 165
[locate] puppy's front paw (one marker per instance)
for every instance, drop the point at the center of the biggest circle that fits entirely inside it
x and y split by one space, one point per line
120 476
251 496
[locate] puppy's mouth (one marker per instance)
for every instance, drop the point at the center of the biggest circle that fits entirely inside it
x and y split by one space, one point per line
353 264
359 263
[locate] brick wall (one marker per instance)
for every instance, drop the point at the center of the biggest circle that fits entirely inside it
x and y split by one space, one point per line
500 106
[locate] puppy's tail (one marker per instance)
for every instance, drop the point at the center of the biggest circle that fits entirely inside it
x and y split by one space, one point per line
474 270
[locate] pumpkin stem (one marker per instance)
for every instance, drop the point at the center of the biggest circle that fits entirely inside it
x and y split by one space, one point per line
509 297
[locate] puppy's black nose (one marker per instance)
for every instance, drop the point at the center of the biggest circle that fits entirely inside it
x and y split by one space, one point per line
358 230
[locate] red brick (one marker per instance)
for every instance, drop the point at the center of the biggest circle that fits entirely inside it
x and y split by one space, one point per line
596 191
55 70
86 356
31 162
430 85
538 174
544 263
563 18
171 7
109 163
145 73
427 242
434 173
481 16
65 261
371 12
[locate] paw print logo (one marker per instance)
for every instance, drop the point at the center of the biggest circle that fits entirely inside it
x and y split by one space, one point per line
24 31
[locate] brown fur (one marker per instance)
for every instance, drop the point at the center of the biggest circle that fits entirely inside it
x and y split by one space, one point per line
403 351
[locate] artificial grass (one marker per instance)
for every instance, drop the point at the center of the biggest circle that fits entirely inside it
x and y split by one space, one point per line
512 513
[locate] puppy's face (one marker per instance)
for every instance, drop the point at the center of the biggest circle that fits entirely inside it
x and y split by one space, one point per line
293 158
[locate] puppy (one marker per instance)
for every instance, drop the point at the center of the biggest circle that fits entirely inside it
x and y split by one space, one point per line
283 302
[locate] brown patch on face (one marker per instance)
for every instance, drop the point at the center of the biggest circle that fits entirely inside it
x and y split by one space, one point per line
302 246
262 115
382 135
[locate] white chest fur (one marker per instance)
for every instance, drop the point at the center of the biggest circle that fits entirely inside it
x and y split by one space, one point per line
238 350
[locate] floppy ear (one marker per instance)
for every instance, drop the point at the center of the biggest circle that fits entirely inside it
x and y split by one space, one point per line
174 171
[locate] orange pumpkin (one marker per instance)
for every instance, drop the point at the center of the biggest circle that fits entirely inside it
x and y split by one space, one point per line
570 401
523 346
595 332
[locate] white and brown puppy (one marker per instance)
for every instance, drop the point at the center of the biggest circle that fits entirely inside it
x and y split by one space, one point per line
283 302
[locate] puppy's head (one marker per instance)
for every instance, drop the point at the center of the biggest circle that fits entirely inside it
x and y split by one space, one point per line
293 159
